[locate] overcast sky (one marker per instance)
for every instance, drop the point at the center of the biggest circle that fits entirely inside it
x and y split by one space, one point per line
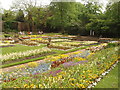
7 3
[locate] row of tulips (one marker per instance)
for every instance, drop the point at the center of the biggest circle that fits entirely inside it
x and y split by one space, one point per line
77 76
17 55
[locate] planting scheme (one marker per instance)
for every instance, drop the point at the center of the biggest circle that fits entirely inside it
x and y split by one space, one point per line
59 44
64 63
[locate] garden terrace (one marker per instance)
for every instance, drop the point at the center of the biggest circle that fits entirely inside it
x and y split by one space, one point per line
89 60
87 72
60 44
31 57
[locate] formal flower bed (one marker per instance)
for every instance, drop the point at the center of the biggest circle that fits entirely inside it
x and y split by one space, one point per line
97 48
79 43
40 40
62 59
74 43
34 36
60 40
52 62
70 45
18 55
29 43
60 46
6 45
82 53
84 73
7 41
25 37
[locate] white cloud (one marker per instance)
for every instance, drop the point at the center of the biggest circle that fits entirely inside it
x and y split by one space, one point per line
6 4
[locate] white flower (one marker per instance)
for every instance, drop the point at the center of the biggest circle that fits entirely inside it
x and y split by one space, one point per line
103 74
17 55
98 79
90 86
94 83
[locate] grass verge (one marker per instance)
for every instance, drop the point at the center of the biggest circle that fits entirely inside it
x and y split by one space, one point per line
19 48
110 80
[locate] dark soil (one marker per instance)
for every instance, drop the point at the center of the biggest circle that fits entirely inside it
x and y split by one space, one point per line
86 38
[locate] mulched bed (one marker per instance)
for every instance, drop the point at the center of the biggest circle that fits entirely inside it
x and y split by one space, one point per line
25 58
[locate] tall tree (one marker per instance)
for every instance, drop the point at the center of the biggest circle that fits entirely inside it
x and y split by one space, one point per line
63 14
20 16
27 6
113 16
8 15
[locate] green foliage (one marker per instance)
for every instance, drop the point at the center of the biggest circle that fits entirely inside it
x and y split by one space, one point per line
112 44
67 17
10 26
63 14
8 16
106 24
7 35
20 16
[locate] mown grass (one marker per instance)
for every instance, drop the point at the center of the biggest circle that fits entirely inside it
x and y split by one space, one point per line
19 48
110 80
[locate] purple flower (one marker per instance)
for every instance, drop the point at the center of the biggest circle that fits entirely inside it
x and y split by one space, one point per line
36 73
67 64
54 73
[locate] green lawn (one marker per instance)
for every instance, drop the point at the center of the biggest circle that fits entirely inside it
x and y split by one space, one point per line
110 80
19 48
